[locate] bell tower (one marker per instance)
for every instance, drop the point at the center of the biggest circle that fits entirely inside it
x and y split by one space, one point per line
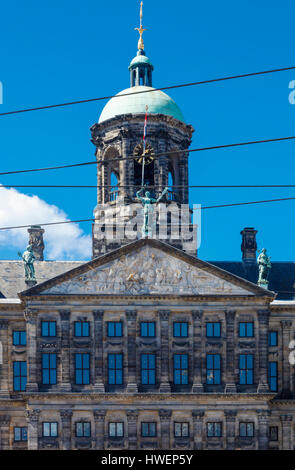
118 139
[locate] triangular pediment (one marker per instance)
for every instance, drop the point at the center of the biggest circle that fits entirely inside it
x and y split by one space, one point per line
147 267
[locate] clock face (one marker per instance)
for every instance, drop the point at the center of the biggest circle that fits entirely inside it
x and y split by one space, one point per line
148 156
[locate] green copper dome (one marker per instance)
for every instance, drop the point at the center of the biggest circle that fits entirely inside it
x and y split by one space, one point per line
157 101
139 59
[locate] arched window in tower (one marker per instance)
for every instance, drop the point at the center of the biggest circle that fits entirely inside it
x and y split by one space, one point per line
114 187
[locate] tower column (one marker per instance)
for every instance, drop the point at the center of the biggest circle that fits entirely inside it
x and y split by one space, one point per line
31 319
198 416
32 420
65 350
197 359
165 417
99 416
131 322
263 419
132 416
164 320
66 419
98 351
230 418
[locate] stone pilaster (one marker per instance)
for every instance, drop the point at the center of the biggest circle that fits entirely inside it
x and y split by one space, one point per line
4 432
4 389
32 420
65 351
230 383
286 326
197 351
132 416
263 319
98 351
164 320
165 417
263 421
99 416
286 432
230 418
131 348
66 434
31 319
198 416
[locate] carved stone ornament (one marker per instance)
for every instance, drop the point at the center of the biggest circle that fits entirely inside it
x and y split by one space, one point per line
147 271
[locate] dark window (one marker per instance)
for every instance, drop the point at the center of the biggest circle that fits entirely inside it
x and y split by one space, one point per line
49 376
115 328
214 429
83 429
19 338
181 429
48 328
246 329
149 429
273 376
273 433
19 376
115 369
180 329
116 429
213 330
20 434
81 328
82 368
273 338
246 369
49 429
148 369
213 369
148 329
246 429
180 363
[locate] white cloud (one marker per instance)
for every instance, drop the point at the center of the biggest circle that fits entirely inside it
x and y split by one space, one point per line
61 241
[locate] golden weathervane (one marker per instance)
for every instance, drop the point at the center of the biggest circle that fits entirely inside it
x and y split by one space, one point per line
140 30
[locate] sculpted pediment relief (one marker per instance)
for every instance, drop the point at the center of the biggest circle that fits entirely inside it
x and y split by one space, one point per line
147 270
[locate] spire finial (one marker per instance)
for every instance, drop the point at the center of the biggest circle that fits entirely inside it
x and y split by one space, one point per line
140 45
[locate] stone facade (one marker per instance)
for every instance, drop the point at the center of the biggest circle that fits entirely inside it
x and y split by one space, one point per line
163 407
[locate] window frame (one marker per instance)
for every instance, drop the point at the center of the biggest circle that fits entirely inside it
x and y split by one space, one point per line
215 370
115 323
180 369
50 369
48 322
19 332
148 323
82 323
148 369
181 325
246 424
82 368
116 423
19 376
115 369
270 333
181 424
216 425
50 428
148 424
213 323
22 428
246 335
276 433
248 371
270 376
83 423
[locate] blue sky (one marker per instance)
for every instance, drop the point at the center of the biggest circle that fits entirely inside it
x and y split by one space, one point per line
69 50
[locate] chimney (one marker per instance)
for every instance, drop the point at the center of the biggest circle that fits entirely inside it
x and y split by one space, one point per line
36 240
249 245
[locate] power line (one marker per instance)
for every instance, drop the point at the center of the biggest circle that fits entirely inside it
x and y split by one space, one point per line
156 155
197 208
117 187
203 82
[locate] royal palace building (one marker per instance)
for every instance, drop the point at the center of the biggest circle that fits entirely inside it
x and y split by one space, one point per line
145 346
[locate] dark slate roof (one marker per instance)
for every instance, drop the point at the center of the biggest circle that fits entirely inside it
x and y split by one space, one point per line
281 276
12 277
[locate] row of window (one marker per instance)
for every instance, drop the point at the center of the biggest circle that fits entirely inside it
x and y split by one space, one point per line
148 370
148 429
147 329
